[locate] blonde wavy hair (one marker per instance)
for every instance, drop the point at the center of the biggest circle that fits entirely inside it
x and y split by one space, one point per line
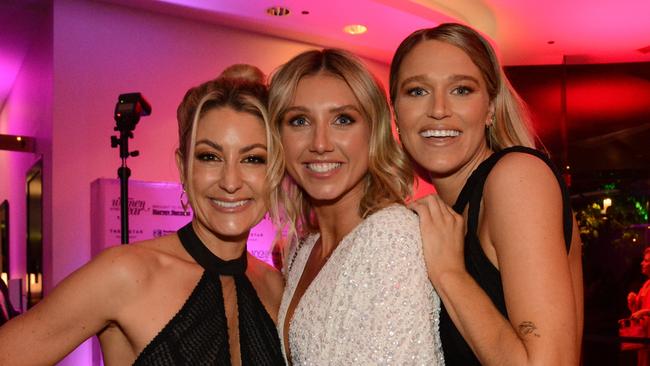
512 124
240 87
390 176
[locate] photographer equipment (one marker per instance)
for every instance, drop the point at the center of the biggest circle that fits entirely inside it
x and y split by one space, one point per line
128 110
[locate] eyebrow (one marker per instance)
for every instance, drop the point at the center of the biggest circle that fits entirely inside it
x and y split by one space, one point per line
340 109
344 108
296 109
218 147
452 78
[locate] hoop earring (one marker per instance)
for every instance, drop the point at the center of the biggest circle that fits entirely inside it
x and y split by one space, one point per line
185 204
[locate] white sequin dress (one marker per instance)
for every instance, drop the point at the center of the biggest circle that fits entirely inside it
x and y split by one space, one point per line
371 303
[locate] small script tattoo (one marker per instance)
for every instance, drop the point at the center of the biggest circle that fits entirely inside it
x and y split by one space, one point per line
528 327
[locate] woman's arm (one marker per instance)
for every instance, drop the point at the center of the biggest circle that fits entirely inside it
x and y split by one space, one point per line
522 221
78 308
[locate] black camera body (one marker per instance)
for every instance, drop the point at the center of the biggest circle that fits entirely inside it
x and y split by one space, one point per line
128 110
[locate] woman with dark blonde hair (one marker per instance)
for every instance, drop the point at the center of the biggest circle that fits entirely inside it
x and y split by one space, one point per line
357 290
192 298
512 293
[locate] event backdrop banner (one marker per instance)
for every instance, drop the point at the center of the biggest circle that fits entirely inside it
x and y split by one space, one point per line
154 210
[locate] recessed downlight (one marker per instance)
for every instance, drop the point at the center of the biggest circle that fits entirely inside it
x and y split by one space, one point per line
278 11
355 29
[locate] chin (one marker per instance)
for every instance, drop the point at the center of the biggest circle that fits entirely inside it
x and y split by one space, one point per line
231 227
439 168
234 233
323 194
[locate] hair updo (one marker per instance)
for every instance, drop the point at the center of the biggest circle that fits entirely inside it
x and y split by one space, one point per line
241 87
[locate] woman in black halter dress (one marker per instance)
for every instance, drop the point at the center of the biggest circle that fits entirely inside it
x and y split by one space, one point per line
193 298
512 289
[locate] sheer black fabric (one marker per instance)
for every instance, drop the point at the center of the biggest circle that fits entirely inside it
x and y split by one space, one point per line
456 350
198 333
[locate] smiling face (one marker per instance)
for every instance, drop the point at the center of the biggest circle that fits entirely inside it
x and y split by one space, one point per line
442 108
326 140
228 174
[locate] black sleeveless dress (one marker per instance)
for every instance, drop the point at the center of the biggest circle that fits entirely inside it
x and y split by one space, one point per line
198 333
456 350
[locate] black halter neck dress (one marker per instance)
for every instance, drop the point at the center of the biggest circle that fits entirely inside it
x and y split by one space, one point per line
456 349
198 333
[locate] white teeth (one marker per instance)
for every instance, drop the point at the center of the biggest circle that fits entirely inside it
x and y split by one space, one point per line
322 167
225 204
440 133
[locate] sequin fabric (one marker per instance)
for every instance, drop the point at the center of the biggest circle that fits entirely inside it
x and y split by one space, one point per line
371 303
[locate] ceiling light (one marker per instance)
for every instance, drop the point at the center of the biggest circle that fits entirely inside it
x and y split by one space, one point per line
355 29
278 11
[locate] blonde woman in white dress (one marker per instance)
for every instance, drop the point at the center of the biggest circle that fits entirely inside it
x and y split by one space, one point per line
357 290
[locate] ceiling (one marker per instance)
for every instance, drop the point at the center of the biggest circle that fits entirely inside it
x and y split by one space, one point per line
526 32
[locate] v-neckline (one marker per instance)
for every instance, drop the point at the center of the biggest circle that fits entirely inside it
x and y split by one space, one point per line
287 324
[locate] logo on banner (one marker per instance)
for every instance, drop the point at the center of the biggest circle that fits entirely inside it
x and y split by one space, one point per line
136 207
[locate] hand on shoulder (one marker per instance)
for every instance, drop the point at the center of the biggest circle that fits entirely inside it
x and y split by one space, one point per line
442 231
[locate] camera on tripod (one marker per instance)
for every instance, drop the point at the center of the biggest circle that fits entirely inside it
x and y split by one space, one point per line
128 110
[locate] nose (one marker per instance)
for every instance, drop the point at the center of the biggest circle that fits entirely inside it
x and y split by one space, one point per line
321 141
231 179
439 106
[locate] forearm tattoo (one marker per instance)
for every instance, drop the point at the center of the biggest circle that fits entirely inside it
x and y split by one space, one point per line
528 327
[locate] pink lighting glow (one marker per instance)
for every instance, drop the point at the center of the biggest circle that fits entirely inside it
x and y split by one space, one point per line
606 98
9 67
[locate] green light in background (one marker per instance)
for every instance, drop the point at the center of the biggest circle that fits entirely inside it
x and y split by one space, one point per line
609 186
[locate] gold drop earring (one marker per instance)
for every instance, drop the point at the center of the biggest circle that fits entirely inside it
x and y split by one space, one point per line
184 204
489 130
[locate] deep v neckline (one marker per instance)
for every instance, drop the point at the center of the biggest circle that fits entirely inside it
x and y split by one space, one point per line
286 326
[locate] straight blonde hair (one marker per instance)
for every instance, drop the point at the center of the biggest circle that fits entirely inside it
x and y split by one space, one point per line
512 124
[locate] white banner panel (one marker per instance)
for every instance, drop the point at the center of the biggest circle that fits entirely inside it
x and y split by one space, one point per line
154 210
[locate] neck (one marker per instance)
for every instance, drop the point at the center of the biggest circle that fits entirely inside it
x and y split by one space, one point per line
224 247
448 186
336 219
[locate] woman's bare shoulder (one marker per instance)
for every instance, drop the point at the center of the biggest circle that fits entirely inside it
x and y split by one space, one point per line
268 283
265 273
520 174
132 264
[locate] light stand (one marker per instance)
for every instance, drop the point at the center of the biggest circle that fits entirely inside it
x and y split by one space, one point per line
128 110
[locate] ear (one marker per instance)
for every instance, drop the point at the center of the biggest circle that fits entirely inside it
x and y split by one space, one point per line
180 164
490 114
